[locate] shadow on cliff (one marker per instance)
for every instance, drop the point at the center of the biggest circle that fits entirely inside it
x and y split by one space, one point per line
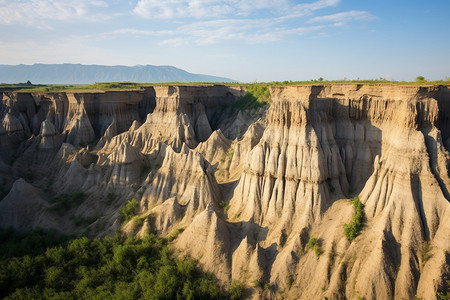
358 141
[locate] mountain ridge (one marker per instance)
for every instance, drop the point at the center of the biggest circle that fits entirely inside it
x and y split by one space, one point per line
69 73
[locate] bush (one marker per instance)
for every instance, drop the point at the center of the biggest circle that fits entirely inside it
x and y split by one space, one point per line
129 211
224 205
236 290
420 79
257 95
353 229
175 234
313 244
109 268
64 202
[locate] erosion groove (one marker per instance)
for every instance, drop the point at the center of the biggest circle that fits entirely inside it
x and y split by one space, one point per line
246 190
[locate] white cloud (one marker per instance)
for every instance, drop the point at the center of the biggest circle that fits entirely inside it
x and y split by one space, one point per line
306 8
250 31
343 17
156 9
227 20
39 12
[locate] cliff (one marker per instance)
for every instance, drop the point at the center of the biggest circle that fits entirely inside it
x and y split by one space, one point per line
257 195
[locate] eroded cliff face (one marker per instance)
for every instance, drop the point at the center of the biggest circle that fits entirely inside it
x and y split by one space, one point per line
247 191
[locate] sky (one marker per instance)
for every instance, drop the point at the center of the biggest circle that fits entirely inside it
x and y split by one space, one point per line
246 40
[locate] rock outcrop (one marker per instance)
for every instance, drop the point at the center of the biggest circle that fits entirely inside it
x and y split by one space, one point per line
257 195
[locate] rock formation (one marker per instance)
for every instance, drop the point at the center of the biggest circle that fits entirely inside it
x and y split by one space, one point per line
257 195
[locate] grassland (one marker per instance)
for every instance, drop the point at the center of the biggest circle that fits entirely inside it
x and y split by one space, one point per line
256 86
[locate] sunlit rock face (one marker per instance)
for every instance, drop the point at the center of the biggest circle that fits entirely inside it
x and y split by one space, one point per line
259 195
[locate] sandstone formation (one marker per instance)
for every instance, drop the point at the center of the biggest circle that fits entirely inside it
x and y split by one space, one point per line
257 195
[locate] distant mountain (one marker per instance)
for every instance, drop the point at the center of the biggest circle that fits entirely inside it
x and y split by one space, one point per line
84 74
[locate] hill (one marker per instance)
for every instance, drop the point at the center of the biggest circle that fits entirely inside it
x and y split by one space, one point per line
84 74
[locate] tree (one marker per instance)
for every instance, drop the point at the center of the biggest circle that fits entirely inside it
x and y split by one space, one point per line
420 79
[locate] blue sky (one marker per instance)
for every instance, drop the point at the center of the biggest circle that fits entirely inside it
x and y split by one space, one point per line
247 40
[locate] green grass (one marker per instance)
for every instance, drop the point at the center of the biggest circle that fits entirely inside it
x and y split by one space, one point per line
104 86
107 86
256 96
353 229
257 90
346 81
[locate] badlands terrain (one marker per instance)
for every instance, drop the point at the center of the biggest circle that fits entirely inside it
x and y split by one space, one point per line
327 192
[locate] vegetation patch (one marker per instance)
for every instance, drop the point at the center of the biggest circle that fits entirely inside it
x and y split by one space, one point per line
230 153
138 221
225 205
84 221
64 202
426 255
110 198
129 211
257 89
257 96
353 229
444 295
175 234
314 244
38 265
236 290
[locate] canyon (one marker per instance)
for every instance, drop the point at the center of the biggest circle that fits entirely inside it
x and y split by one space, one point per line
261 194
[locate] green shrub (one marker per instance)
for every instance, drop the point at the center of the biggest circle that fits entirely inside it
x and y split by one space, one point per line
129 211
64 202
224 205
236 289
313 244
139 221
175 234
444 295
109 268
420 79
257 95
353 229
